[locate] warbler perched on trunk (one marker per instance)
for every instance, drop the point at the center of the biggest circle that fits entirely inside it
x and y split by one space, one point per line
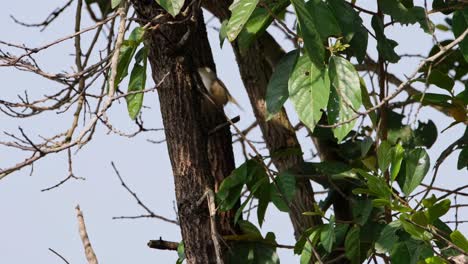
216 88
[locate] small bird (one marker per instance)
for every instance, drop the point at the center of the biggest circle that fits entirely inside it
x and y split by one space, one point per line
216 88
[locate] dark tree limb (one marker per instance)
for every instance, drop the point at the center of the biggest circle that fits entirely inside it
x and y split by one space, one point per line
179 45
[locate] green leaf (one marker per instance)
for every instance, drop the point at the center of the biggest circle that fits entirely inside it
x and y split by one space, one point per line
181 252
405 15
348 19
463 158
313 43
459 25
401 254
311 234
376 185
325 21
327 236
384 155
286 183
459 240
231 187
437 210
385 46
366 144
309 88
352 245
115 3
241 11
249 228
223 33
127 50
415 231
441 80
137 83
388 237
263 202
362 209
397 158
435 260
351 25
173 7
277 90
416 166
259 21
345 96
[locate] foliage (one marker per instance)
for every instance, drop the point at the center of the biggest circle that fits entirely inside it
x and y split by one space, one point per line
379 165
321 81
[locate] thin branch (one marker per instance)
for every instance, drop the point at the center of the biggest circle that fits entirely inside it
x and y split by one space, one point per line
89 252
58 255
151 214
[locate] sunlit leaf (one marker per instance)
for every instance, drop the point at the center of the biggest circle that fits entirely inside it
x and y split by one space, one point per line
241 12
345 96
459 240
137 84
115 3
173 7
309 89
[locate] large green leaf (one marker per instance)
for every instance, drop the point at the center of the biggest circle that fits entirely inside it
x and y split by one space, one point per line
384 155
309 88
173 7
400 13
283 190
416 166
437 210
231 187
385 46
441 79
397 158
459 240
460 24
327 236
127 50
388 237
115 3
137 84
325 21
241 12
313 43
345 96
277 90
352 245
351 26
259 21
362 209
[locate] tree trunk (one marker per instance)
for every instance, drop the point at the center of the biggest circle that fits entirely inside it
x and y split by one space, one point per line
255 66
199 161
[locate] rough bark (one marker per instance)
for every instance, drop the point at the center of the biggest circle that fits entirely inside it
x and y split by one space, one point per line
255 66
198 160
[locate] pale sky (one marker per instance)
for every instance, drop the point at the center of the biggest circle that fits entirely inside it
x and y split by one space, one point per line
33 221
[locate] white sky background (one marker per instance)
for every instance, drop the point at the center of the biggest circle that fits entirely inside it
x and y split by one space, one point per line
32 221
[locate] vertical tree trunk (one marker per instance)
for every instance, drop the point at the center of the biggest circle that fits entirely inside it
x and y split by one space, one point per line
198 160
256 68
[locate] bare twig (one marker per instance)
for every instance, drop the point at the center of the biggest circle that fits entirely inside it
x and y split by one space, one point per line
151 214
90 255
58 255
